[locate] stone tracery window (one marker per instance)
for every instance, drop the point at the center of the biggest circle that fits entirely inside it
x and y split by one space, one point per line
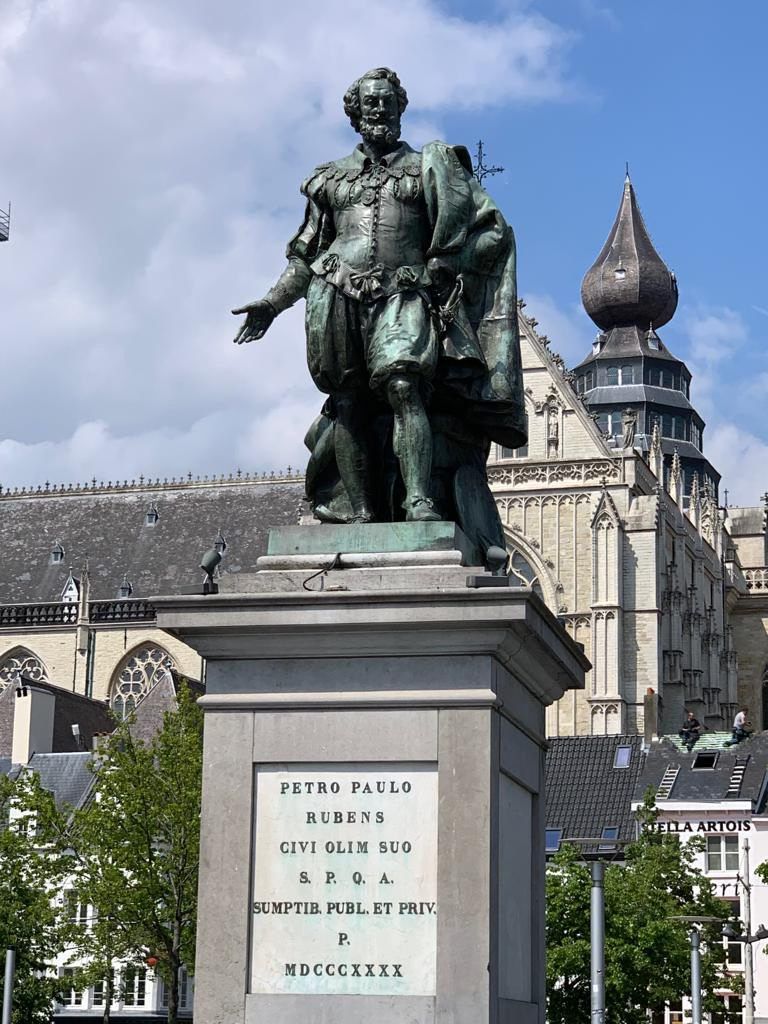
137 677
21 662
522 572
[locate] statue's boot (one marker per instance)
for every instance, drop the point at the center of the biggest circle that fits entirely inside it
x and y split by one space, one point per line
420 510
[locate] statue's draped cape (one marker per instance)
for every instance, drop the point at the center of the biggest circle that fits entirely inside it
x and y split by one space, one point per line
468 227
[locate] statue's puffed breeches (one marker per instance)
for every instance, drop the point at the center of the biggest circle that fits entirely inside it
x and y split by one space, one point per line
353 344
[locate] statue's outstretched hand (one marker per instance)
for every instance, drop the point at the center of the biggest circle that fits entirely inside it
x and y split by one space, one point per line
258 317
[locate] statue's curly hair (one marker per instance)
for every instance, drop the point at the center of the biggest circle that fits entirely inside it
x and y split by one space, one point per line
352 96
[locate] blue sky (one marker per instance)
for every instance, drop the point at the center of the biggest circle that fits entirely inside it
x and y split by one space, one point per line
153 153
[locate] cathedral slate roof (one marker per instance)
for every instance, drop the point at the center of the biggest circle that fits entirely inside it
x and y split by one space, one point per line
106 527
585 793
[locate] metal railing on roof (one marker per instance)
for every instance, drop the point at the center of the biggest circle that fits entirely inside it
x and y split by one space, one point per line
66 613
121 611
50 613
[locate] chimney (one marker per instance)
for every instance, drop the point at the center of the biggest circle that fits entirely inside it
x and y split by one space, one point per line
650 716
32 722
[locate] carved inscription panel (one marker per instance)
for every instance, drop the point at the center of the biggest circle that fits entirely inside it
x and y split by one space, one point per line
345 880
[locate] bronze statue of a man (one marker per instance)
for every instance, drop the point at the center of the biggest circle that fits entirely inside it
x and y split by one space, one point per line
408 270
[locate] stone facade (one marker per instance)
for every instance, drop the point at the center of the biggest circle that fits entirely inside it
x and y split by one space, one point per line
102 640
634 569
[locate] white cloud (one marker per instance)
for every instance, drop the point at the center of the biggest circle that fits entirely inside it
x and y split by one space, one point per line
737 453
714 335
569 329
153 152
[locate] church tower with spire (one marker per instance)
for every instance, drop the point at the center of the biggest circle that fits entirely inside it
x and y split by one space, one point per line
629 292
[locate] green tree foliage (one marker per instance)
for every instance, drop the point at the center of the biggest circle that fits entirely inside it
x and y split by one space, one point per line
30 918
134 852
647 955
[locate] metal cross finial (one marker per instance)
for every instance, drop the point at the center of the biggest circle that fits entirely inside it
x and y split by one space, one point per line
480 171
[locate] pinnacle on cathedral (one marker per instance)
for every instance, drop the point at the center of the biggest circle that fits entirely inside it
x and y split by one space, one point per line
629 292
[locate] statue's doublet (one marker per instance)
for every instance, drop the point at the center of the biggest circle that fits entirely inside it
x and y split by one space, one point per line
369 232
375 223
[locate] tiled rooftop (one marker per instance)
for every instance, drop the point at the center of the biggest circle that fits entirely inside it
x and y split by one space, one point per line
585 792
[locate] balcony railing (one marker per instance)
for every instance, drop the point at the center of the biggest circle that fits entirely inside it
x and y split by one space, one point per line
65 613
5 224
757 579
58 613
122 611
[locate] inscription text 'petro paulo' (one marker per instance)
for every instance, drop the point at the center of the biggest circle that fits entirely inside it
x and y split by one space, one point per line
345 880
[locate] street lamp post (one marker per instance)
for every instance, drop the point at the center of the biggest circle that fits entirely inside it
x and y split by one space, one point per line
597 943
695 976
597 921
10 968
695 941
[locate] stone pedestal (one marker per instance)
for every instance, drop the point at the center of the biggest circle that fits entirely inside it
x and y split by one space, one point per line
373 807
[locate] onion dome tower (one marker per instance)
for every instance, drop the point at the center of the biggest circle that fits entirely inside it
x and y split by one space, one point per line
629 292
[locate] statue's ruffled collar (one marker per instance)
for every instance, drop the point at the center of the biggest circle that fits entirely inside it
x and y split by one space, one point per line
362 160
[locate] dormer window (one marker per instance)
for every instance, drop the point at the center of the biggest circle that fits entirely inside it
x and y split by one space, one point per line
125 589
71 592
152 515
57 553
620 273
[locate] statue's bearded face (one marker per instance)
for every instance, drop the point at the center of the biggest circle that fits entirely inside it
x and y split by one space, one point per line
379 112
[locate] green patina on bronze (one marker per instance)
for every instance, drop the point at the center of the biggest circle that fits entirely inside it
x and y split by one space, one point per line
362 538
408 271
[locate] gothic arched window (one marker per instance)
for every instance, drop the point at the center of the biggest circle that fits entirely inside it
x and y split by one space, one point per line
21 662
136 677
522 572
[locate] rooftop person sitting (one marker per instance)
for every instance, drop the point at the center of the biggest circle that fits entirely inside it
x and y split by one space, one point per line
691 730
741 728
